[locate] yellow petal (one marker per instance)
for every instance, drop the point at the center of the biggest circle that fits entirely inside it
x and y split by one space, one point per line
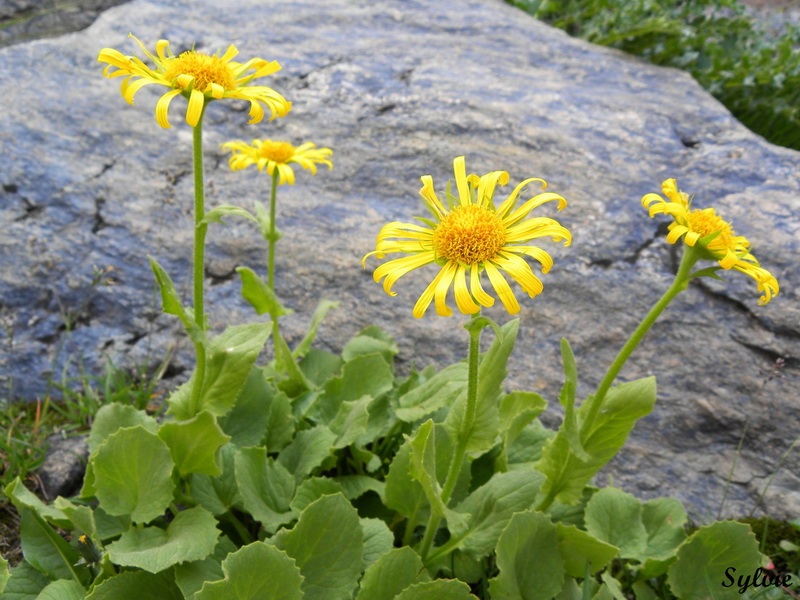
395 269
440 295
502 288
475 287
195 109
425 299
521 272
162 108
464 300
460 170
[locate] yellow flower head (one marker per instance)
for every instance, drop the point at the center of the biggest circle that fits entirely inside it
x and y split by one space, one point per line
273 155
199 77
704 229
470 236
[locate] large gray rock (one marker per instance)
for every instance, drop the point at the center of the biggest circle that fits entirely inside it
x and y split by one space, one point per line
398 89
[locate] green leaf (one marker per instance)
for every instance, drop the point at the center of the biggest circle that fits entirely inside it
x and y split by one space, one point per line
215 214
295 383
218 494
527 447
566 474
517 410
491 373
114 416
193 444
256 572
370 340
264 220
137 585
170 301
47 551
82 517
491 507
327 545
570 427
440 589
63 590
313 489
229 357
133 474
378 540
355 486
110 526
424 460
316 320
530 568
259 295
611 589
5 574
365 375
652 531
578 547
21 497
266 487
443 389
307 451
351 421
191 576
391 574
703 569
191 535
319 366
24 583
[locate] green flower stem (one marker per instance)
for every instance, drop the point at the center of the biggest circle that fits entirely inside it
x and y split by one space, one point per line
200 229
690 257
271 259
464 432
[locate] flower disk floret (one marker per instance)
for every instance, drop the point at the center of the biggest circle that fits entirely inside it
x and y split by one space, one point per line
272 155
708 232
470 235
199 77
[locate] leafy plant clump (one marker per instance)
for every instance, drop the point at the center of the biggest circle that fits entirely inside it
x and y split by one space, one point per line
752 70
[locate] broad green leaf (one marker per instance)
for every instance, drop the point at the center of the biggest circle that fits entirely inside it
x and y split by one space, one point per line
110 526
369 341
294 383
229 359
327 546
378 540
133 474
265 222
528 446
530 568
191 535
643 591
711 560
24 582
307 451
63 589
423 468
256 572
650 531
21 497
47 551
114 416
170 301
491 507
179 401
193 444
577 547
570 427
215 214
313 489
266 487
82 517
137 585
355 486
5 574
517 410
485 428
391 574
258 294
442 389
365 375
611 589
218 494
319 366
566 474
191 576
316 320
351 421
440 589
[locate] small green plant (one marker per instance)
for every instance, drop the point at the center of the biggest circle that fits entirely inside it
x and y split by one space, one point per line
751 70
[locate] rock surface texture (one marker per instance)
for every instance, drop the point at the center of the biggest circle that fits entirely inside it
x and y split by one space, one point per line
398 89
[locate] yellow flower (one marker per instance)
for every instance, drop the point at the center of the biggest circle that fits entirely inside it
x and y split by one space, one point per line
273 155
471 236
197 76
696 226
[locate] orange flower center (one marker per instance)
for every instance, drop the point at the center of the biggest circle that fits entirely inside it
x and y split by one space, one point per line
279 152
469 235
203 68
706 221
